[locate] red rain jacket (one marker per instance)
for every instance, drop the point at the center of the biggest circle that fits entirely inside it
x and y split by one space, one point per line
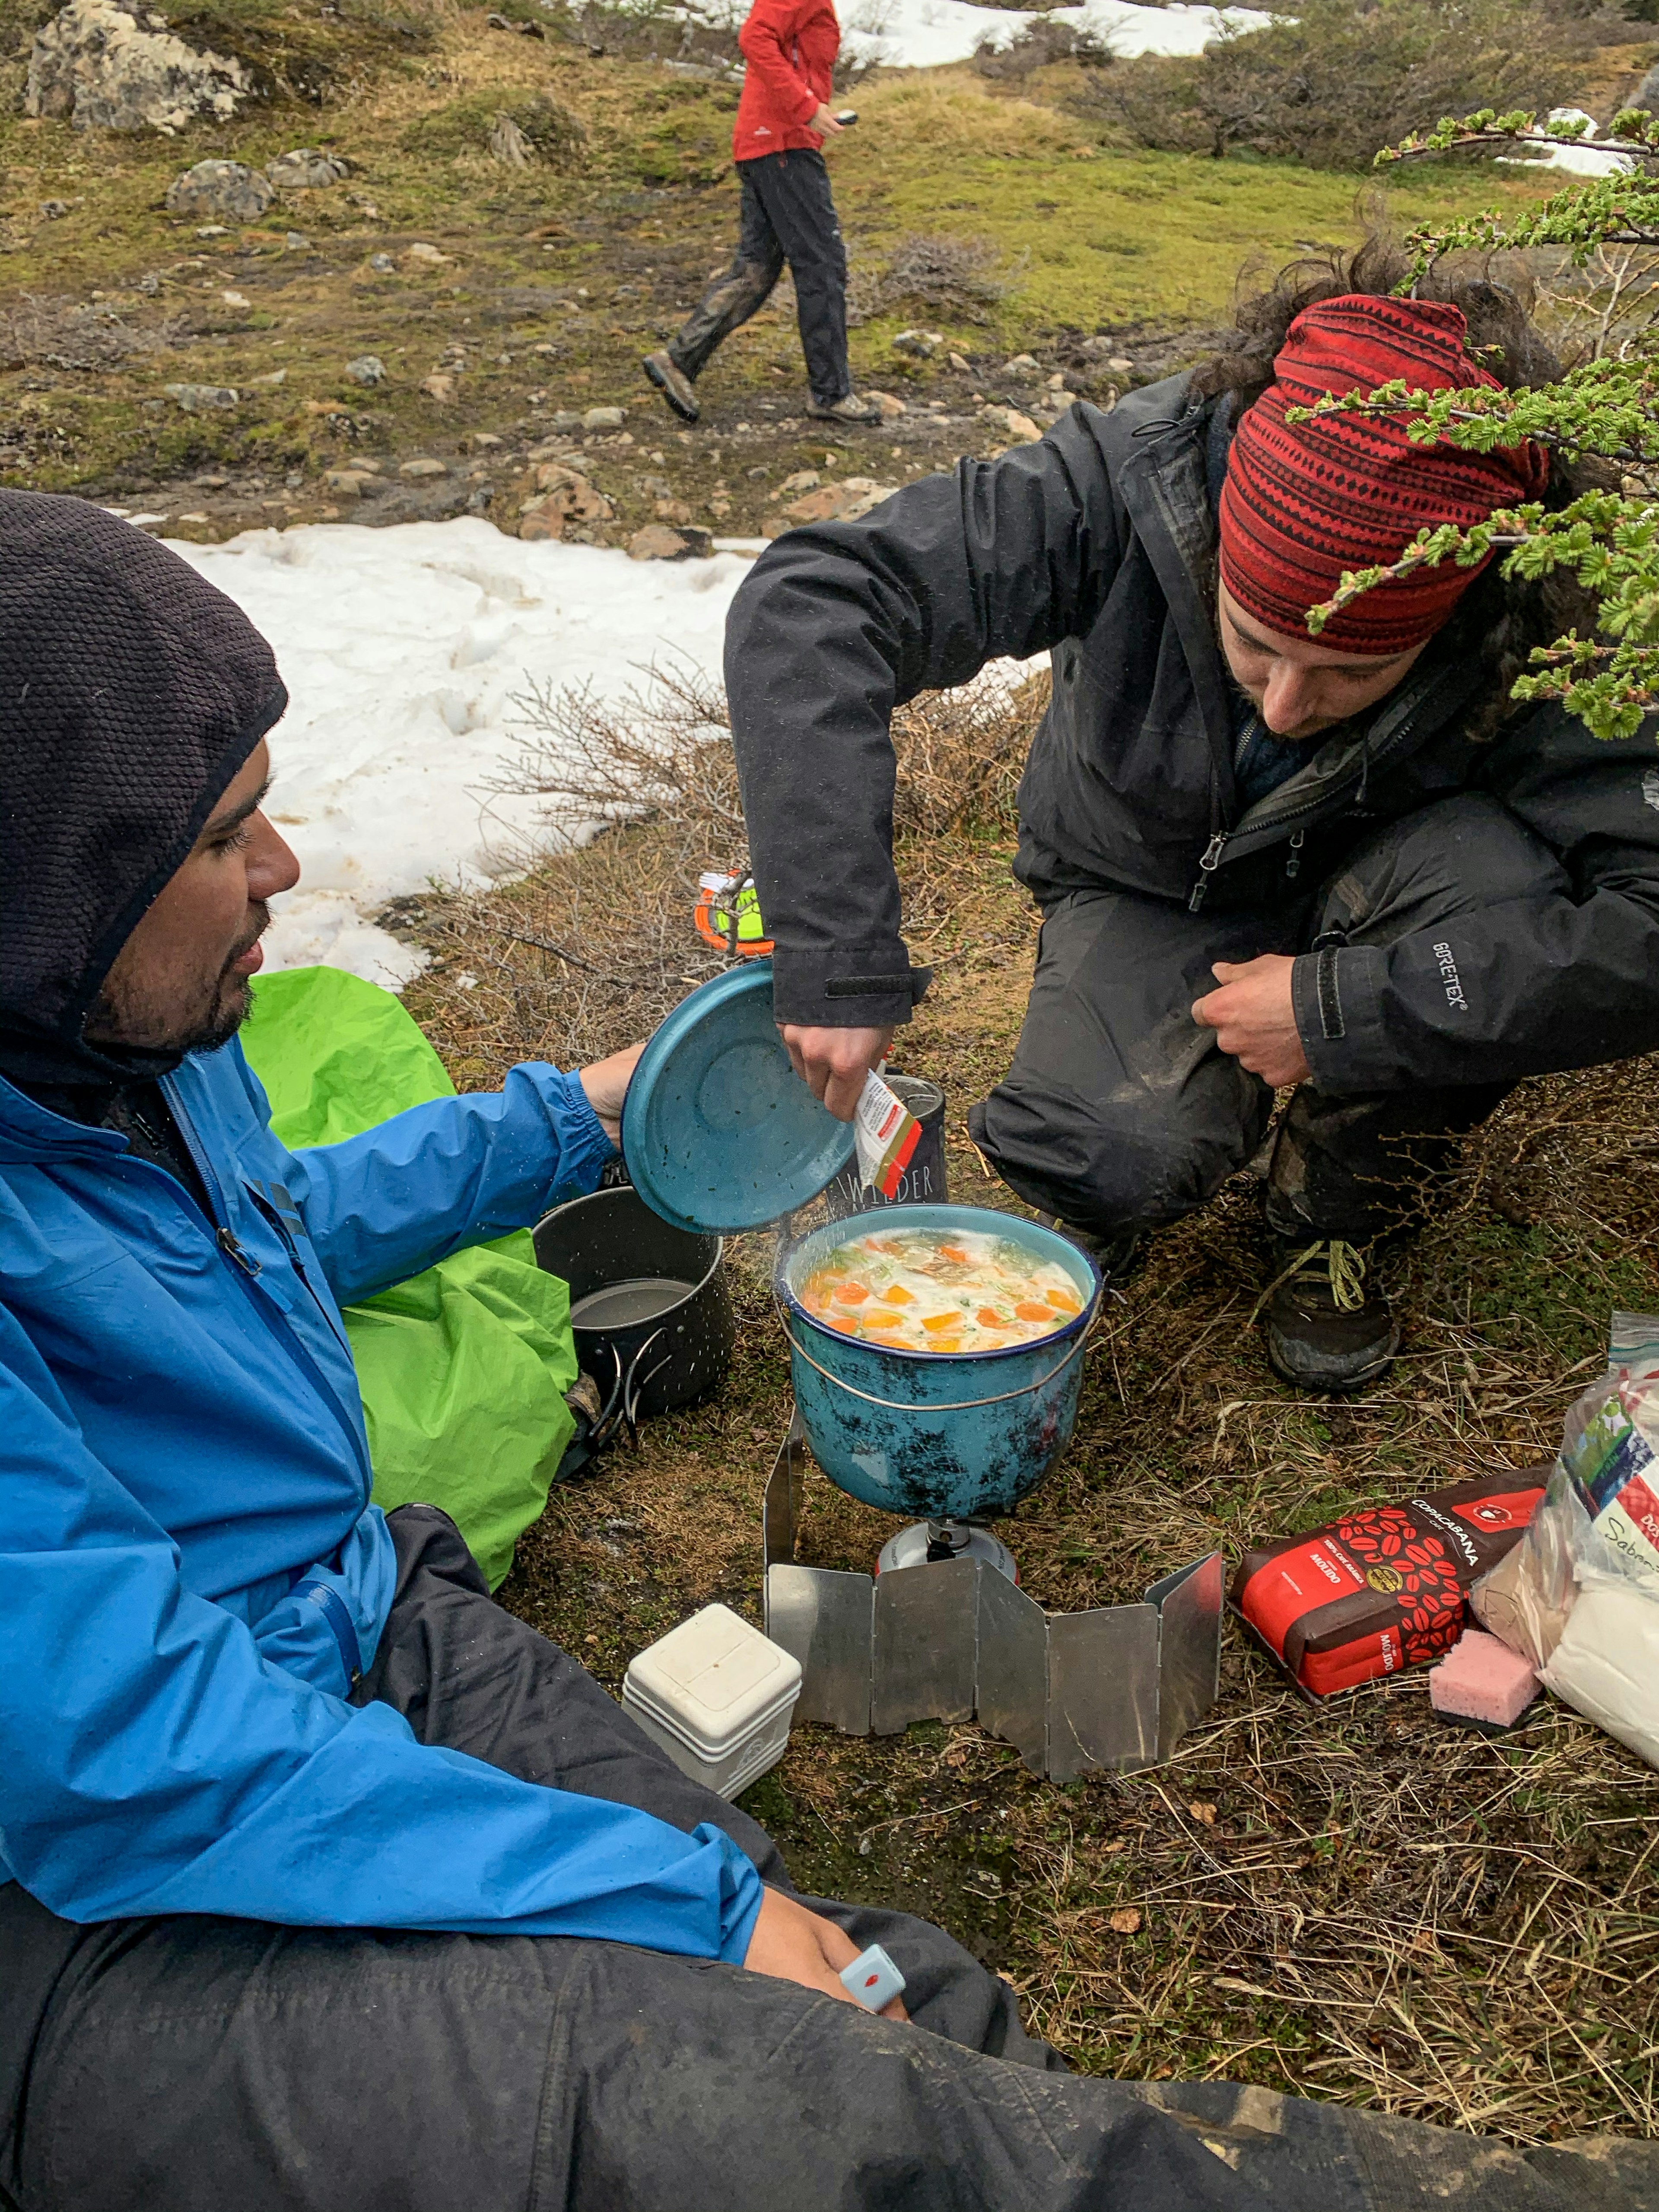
790 47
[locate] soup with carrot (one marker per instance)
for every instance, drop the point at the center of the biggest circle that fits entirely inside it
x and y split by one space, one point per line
936 1290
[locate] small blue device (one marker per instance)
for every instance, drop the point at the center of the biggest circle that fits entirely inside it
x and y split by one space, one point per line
872 1980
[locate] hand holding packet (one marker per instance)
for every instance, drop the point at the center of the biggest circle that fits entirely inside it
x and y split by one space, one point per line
886 1134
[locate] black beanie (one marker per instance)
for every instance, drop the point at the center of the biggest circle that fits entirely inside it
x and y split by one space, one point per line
131 693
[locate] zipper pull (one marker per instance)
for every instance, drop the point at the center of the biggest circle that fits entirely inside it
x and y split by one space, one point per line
1293 864
1207 866
233 1247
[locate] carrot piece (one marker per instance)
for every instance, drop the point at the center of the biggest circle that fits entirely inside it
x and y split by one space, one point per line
1027 1311
987 1319
945 1343
932 1322
1064 1301
874 1319
846 1323
897 1295
851 1294
955 1254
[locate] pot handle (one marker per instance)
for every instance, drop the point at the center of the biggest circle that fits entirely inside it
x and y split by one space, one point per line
950 1405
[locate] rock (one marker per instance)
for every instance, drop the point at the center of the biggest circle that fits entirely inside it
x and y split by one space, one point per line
803 480
923 343
1120 364
657 542
961 367
439 386
272 380
199 398
604 418
422 256
305 169
296 242
95 65
672 510
890 405
54 210
840 503
346 483
228 189
481 441
381 263
567 502
1021 365
236 299
368 368
211 230
422 467
564 423
1012 423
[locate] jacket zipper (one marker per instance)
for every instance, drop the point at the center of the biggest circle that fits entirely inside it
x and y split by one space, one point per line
1293 860
248 1269
1210 861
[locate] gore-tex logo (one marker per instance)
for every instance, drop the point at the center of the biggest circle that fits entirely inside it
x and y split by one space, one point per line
1450 978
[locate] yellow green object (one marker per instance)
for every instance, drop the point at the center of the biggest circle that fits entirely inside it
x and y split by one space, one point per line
462 1369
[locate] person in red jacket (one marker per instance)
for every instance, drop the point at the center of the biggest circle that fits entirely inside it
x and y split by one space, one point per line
789 214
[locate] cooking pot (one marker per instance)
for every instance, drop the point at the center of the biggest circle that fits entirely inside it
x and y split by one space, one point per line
650 1309
937 1436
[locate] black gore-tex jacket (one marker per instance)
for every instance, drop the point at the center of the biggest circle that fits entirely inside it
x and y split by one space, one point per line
1097 545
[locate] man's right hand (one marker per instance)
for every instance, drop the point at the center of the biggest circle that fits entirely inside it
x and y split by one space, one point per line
825 124
793 1945
833 1063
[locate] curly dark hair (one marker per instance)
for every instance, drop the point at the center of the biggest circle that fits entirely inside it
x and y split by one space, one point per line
1497 622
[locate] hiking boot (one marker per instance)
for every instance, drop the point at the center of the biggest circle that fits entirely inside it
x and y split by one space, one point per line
1114 1251
1325 1330
852 409
674 385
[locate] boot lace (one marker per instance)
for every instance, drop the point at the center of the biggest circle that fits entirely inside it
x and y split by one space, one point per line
1339 1266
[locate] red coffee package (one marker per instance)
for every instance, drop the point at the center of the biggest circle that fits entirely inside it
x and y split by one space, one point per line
1383 1587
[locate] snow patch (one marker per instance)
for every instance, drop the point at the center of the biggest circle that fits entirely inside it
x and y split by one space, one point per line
933 34
403 649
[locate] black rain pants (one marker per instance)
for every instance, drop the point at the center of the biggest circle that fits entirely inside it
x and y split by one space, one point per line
787 215
1121 1111
210 2066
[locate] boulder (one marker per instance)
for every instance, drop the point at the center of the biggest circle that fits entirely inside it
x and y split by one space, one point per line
95 65
229 190
304 170
840 503
672 510
563 501
657 542
890 404
369 368
1022 365
441 385
424 466
604 418
200 398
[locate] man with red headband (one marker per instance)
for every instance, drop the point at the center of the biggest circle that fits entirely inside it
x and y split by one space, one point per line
1343 865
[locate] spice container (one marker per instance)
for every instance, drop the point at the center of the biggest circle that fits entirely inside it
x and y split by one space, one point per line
718 1696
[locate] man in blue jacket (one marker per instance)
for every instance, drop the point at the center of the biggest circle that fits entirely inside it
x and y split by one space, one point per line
323 1882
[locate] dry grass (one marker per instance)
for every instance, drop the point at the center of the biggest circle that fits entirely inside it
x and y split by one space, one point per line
1348 1901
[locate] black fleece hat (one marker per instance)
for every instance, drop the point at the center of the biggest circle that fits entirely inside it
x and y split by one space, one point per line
131 693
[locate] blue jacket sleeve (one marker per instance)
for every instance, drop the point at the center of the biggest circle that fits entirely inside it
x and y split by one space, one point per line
151 1762
381 1207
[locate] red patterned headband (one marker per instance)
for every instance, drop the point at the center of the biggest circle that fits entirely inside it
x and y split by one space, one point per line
1304 501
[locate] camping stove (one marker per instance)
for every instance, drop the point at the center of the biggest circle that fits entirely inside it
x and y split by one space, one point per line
942 1632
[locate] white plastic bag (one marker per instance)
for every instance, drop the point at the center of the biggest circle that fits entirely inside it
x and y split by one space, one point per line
1578 1597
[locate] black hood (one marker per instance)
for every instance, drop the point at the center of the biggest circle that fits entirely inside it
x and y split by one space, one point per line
131 693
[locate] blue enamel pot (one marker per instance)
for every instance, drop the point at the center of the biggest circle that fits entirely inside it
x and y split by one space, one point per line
936 1434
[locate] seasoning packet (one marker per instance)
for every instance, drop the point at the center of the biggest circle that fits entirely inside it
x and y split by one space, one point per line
886 1134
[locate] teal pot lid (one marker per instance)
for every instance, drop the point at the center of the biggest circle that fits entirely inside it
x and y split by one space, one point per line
719 1132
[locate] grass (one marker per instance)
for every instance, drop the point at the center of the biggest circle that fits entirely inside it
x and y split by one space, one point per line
560 275
1347 1901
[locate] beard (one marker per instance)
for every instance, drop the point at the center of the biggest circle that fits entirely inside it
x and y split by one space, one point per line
168 1018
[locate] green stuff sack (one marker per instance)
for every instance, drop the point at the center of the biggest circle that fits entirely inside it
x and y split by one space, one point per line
462 1369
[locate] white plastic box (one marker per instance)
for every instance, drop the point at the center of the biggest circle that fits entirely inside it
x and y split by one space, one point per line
718 1696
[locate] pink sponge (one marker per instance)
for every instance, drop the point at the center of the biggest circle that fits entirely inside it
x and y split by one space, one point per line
1482 1684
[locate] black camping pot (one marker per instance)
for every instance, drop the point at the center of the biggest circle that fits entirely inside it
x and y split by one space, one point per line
649 1306
922 1182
